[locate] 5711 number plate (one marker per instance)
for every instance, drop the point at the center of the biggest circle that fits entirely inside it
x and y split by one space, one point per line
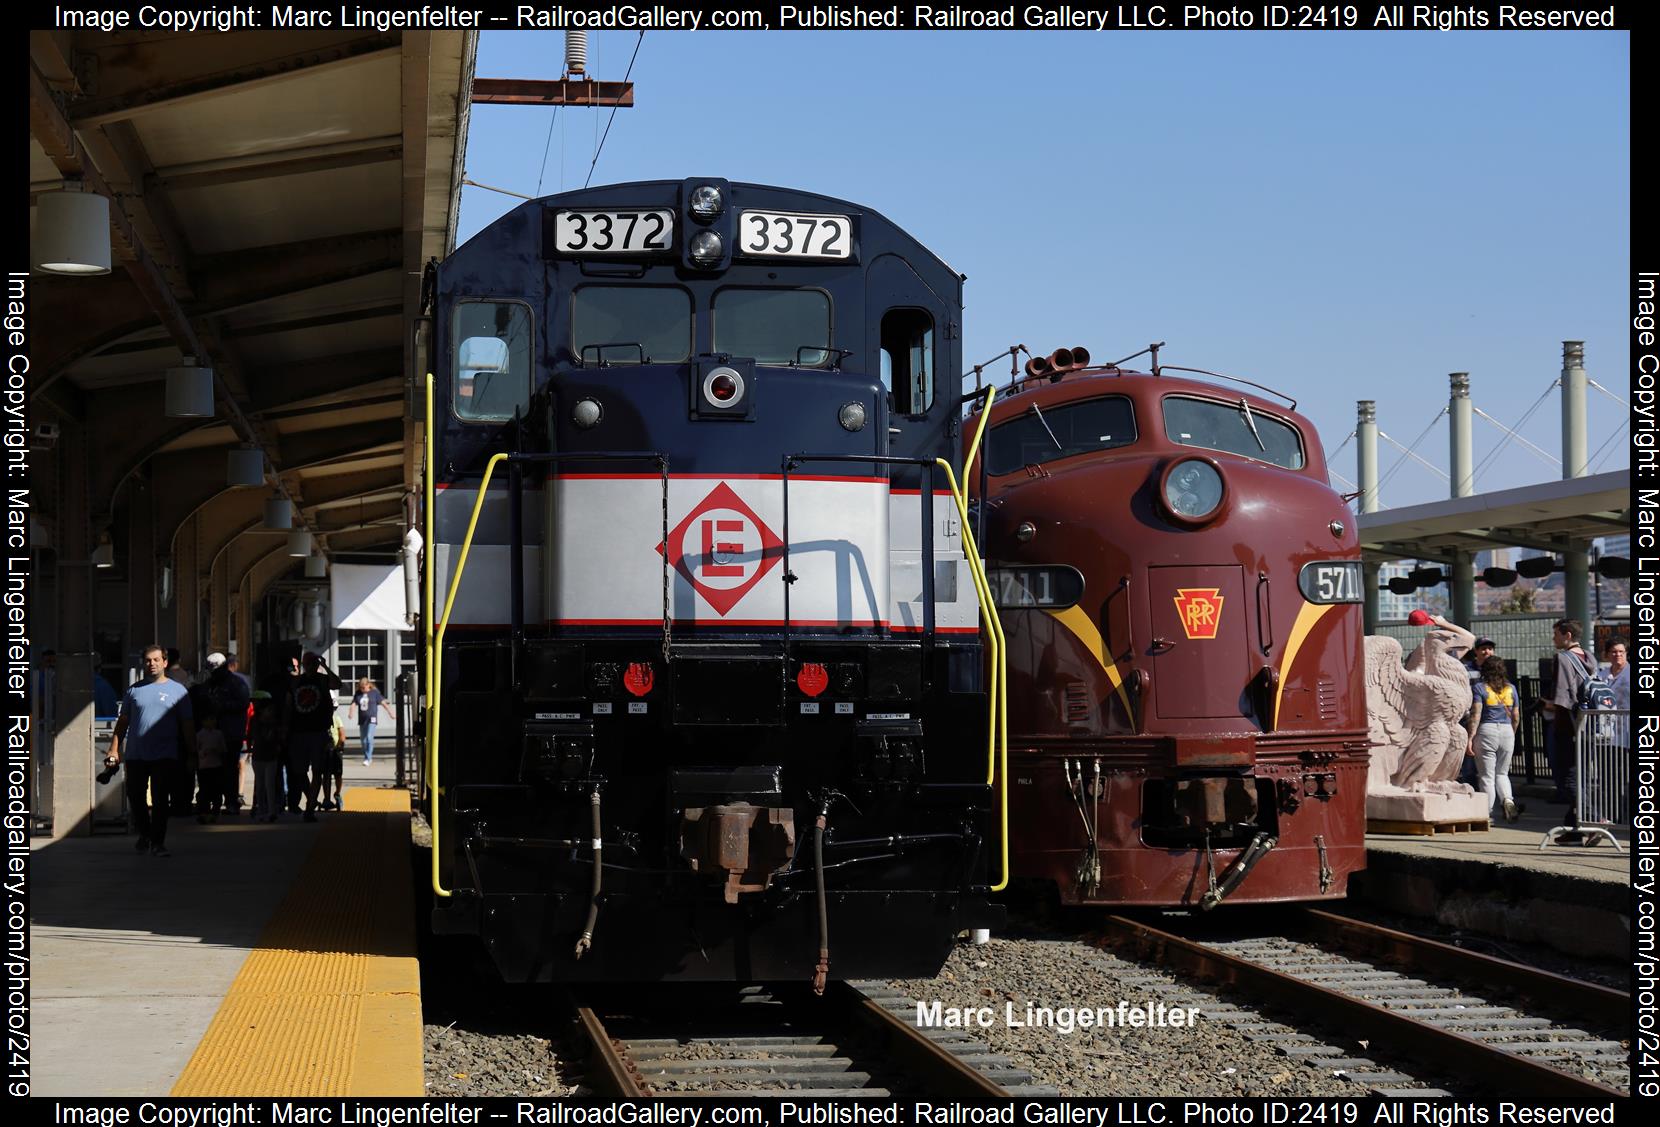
781 234
612 232
1331 581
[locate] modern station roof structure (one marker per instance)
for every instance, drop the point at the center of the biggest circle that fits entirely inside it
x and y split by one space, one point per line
273 198
1556 516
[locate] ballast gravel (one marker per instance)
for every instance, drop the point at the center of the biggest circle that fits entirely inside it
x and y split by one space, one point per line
1208 1058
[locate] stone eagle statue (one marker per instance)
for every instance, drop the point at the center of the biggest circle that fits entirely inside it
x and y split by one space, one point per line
1414 712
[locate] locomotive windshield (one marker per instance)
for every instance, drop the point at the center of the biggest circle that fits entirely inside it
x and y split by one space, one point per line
631 324
1037 435
492 361
1233 428
774 326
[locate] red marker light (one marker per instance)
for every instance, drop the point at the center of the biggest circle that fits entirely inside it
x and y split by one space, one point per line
723 388
812 679
639 678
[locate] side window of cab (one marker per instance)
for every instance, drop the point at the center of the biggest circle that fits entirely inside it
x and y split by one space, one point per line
907 351
491 361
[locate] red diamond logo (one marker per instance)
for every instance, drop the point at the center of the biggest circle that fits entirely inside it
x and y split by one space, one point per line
722 548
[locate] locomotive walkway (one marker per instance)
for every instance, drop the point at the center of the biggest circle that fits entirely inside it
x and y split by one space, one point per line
256 960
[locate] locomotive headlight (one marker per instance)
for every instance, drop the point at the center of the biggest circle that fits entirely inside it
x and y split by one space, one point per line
587 413
852 416
706 202
1192 490
706 249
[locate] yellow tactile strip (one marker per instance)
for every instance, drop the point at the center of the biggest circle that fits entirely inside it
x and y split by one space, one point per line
329 1003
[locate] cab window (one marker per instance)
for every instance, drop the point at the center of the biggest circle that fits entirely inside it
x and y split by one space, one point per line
1234 428
774 326
631 325
492 360
1042 434
907 359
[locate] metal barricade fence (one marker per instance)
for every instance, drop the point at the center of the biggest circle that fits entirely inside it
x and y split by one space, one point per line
1602 756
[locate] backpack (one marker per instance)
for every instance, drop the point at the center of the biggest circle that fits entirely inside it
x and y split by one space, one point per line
1594 693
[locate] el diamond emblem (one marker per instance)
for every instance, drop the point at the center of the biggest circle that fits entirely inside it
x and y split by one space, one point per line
722 548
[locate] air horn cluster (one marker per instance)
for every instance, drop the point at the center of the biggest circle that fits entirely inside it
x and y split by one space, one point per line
1057 363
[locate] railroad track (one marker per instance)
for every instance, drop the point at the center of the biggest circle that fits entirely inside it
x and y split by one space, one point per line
855 1041
1414 998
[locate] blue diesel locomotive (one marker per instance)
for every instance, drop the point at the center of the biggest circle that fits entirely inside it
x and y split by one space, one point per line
707 654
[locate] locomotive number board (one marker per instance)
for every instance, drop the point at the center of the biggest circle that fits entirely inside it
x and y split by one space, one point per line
612 232
783 234
1053 588
1331 581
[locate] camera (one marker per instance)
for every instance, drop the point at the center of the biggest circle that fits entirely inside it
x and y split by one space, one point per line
111 766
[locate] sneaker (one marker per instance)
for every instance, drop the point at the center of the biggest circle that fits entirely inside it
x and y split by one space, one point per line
366 762
1572 837
142 845
310 817
1510 813
159 851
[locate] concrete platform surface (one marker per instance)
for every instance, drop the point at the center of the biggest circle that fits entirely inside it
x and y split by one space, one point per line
133 954
1575 898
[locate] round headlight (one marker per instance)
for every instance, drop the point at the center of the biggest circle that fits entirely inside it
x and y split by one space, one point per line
706 249
1192 490
706 202
852 416
587 413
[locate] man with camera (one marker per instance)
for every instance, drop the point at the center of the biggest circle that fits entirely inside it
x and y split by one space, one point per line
154 728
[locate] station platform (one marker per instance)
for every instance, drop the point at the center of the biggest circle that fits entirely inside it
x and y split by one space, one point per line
259 959
1575 898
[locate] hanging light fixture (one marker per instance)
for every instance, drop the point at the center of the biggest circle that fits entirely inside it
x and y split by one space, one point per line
299 543
314 620
297 618
245 465
279 513
316 567
104 554
190 391
72 232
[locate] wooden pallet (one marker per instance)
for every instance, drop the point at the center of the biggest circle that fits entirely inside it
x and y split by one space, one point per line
1423 829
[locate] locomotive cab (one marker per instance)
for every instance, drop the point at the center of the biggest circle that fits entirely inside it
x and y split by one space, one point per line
1187 718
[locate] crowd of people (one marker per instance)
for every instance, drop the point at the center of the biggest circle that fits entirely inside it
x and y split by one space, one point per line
184 743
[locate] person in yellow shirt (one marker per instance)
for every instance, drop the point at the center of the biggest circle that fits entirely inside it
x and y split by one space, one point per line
1492 725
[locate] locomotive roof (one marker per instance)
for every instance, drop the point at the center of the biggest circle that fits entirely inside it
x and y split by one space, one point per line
1092 380
644 191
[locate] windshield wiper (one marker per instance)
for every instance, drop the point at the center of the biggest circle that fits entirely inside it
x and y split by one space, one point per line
1252 423
1045 423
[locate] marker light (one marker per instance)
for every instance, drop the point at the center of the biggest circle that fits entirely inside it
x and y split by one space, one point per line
723 386
639 678
587 413
812 679
852 416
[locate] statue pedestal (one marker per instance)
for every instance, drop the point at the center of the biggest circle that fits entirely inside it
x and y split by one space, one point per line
1425 813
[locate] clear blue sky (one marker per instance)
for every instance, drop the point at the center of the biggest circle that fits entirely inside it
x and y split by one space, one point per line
1339 215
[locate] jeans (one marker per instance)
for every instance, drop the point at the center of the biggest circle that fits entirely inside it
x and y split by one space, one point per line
159 777
1495 744
366 733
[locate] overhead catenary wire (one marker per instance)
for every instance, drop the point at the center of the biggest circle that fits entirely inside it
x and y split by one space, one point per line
545 146
1608 444
601 146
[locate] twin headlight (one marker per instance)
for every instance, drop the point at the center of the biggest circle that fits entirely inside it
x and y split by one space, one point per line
1192 490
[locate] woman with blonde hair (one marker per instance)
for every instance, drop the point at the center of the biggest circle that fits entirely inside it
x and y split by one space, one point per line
1492 726
367 703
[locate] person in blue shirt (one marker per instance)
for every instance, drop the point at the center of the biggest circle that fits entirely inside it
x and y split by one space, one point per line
152 733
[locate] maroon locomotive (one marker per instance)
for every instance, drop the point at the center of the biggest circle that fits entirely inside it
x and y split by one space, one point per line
1179 589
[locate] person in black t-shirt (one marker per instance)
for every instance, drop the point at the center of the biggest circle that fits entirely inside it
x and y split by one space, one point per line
308 715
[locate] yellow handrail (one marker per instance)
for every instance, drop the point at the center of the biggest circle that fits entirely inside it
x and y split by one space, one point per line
426 628
997 750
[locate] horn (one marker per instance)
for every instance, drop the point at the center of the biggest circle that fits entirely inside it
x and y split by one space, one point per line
1061 359
1038 366
1080 356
